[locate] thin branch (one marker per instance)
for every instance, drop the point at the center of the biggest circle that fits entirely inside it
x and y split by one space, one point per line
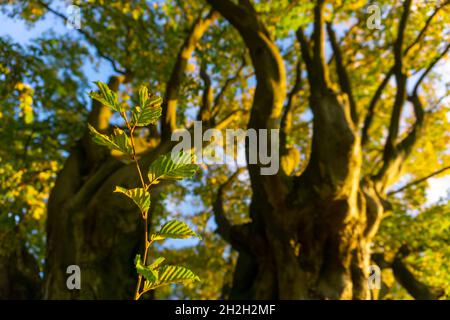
240 237
371 109
418 181
89 37
421 34
343 77
429 68
219 97
404 148
286 119
377 96
207 96
341 41
400 78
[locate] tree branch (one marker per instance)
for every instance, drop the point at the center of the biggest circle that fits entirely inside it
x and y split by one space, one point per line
168 119
286 119
373 102
318 37
407 279
266 59
219 97
392 154
238 236
270 91
418 181
400 78
207 97
89 37
428 69
393 159
343 78
371 109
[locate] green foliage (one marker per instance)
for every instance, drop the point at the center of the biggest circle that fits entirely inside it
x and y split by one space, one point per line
43 111
148 272
148 111
169 274
140 196
172 167
42 114
176 230
166 167
118 141
106 97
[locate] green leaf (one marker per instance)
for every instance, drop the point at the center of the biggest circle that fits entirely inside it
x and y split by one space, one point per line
143 96
149 109
157 263
171 274
172 167
101 139
143 117
121 139
140 196
147 272
106 96
118 141
176 230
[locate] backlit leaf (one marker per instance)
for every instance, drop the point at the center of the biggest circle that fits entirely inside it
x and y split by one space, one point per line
140 196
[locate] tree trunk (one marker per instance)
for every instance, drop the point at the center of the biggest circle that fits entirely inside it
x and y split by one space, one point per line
309 236
87 224
90 227
316 239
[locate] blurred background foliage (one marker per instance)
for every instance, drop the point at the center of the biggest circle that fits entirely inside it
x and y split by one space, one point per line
44 106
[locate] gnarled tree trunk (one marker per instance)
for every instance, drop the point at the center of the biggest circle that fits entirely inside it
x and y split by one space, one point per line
310 235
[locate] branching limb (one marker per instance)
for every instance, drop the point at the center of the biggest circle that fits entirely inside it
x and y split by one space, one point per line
239 237
394 157
377 96
400 78
371 109
318 37
219 97
343 77
266 59
207 97
408 280
286 119
201 24
417 289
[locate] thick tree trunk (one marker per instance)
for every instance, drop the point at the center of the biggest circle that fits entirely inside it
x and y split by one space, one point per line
309 236
19 271
315 241
90 227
